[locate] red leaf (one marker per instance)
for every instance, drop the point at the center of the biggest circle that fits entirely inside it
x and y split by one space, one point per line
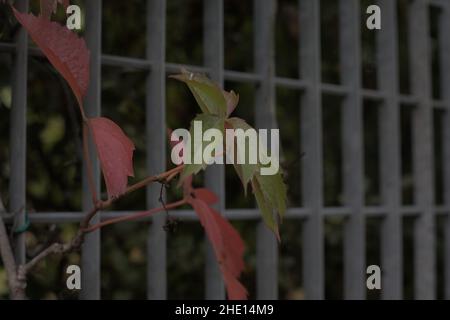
211 227
233 245
65 50
228 247
205 195
115 151
235 289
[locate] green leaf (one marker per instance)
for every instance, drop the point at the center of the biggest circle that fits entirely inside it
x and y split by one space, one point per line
275 192
244 171
270 190
208 95
267 211
208 122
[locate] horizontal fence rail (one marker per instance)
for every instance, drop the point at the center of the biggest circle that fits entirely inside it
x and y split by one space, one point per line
350 91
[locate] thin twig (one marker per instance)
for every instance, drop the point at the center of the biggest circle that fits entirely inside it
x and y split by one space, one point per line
101 205
170 178
56 248
159 178
52 235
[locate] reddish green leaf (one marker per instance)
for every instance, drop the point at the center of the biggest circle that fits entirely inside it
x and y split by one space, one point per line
115 151
49 6
232 100
64 49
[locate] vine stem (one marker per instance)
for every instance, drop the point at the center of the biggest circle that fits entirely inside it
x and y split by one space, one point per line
136 216
101 205
139 185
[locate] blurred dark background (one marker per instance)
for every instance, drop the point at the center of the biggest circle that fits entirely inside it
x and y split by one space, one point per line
54 161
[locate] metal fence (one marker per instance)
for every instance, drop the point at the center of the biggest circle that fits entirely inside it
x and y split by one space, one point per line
312 88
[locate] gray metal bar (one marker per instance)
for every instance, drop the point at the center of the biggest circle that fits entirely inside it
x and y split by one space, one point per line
438 3
235 214
90 256
353 158
290 83
373 95
391 239
334 89
265 117
156 144
18 135
125 62
241 76
311 137
408 100
424 240
7 47
444 41
439 105
176 67
231 214
213 50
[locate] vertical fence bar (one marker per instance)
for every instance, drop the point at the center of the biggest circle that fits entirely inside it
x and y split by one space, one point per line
391 230
213 49
353 159
424 257
90 257
311 137
265 118
444 28
18 136
156 145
